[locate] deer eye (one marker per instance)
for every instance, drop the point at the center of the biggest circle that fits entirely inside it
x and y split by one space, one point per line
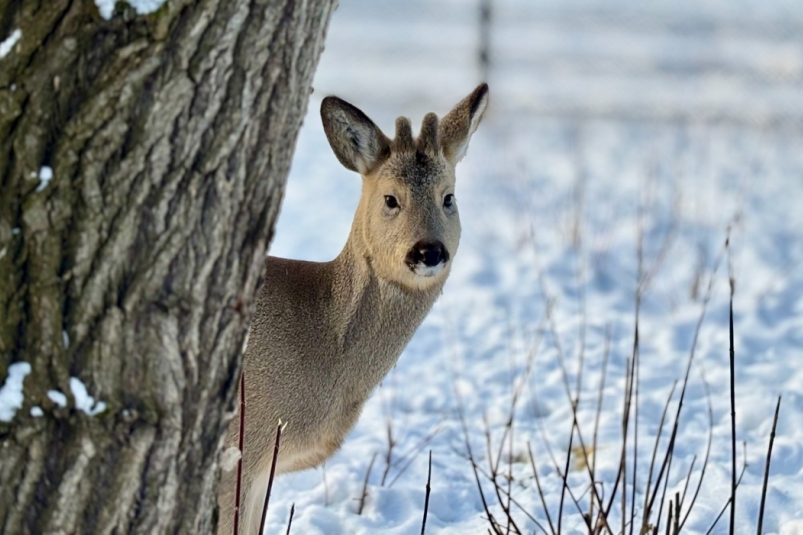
391 202
448 201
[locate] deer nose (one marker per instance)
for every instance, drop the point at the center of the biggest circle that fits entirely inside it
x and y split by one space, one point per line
429 253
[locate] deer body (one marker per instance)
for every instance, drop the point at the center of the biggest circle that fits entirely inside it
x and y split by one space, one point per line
325 334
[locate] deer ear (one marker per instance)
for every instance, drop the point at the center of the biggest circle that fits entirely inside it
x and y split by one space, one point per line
456 128
356 141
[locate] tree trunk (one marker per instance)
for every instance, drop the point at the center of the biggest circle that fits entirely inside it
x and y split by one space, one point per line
133 270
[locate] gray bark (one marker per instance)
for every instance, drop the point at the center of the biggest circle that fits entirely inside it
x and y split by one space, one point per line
170 137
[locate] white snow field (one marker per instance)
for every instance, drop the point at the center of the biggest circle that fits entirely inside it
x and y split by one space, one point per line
611 125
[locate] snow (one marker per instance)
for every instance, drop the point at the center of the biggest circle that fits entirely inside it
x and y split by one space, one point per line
8 43
83 401
142 7
45 176
229 458
57 397
673 121
11 393
36 411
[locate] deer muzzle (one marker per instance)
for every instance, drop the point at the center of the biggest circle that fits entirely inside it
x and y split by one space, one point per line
427 258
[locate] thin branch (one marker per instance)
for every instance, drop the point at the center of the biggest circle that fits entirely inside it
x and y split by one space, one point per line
493 468
565 477
474 467
540 490
426 496
411 455
279 428
325 485
635 379
647 510
515 502
290 520
575 426
707 389
637 368
667 462
727 503
603 374
238 491
676 526
686 484
767 468
365 485
389 453
733 393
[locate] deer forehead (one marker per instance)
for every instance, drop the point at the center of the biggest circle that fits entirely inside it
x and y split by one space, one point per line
417 171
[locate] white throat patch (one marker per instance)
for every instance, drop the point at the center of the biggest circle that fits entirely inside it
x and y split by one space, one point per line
423 270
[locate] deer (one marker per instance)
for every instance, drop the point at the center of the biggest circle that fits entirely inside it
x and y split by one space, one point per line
325 334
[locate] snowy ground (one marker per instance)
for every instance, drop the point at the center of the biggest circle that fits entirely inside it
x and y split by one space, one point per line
672 123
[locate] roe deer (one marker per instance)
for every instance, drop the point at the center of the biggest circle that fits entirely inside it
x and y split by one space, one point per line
325 334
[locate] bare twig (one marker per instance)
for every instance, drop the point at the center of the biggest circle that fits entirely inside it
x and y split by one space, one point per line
648 488
510 470
325 485
566 488
279 429
494 474
408 457
565 476
426 496
603 373
551 454
667 462
637 367
688 481
290 520
676 525
727 503
238 490
540 490
515 502
670 511
474 467
364 493
767 468
389 452
733 393
575 427
625 424
621 476
710 403
634 385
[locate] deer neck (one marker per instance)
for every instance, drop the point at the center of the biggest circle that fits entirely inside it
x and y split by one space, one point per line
375 317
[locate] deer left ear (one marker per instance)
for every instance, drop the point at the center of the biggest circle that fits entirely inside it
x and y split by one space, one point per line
456 129
356 141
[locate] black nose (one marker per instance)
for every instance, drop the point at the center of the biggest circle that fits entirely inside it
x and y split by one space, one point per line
430 253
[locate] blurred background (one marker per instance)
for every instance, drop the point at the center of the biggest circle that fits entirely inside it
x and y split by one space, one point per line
705 60
624 142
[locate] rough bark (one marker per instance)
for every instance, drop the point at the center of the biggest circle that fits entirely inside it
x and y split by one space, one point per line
170 137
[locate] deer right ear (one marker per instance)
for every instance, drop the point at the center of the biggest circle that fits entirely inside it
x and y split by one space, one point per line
356 141
455 130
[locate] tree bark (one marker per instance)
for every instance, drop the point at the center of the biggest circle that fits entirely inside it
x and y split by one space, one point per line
133 270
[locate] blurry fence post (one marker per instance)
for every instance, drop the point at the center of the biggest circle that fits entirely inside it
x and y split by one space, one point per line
485 39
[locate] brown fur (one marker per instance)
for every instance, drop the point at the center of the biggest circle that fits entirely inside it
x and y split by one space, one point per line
325 334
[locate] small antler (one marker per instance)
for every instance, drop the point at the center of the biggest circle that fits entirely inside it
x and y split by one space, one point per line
404 135
428 138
